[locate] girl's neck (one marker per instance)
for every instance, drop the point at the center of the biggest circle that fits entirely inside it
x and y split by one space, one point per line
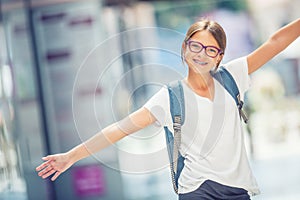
200 81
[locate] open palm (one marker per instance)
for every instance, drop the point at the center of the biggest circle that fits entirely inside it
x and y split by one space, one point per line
54 164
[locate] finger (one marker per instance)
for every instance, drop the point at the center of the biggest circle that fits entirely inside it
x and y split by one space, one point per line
52 171
55 176
43 165
45 170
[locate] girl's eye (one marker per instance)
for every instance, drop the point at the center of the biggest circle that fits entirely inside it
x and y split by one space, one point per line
196 46
213 50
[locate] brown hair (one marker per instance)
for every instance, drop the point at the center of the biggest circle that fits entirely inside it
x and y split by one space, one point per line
213 27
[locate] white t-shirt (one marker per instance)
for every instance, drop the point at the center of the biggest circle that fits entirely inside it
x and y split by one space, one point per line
212 139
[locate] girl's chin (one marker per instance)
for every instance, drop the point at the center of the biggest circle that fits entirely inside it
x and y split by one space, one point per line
201 69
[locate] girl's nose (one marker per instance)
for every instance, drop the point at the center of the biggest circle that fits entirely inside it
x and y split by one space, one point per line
201 53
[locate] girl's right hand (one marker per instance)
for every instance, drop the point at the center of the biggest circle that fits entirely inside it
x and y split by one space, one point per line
54 164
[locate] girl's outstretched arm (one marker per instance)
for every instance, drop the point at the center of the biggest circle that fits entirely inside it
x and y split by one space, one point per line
58 163
274 45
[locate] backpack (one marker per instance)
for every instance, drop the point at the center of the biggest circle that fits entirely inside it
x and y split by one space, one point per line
177 110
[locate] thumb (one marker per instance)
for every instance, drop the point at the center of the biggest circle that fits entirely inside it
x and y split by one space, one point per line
49 157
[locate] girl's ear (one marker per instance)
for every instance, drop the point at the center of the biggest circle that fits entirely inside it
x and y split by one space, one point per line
183 48
220 59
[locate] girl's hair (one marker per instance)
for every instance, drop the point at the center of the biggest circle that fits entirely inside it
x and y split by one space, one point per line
213 27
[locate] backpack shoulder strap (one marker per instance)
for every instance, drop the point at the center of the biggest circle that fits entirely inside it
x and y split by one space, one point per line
177 110
227 81
176 101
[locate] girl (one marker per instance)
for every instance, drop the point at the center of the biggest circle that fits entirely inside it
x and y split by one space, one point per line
216 165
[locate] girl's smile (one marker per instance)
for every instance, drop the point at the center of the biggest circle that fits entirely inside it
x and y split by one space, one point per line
201 63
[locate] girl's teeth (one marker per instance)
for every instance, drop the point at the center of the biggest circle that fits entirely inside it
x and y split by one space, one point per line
201 63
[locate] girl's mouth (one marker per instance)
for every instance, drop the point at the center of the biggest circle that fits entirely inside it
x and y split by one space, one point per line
200 62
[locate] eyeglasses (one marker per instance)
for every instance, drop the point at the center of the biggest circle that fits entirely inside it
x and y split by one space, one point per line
197 47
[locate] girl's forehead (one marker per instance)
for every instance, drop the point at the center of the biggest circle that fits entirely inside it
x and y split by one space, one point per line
205 37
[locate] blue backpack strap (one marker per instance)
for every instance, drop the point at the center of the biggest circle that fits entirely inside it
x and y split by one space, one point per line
177 110
228 82
176 100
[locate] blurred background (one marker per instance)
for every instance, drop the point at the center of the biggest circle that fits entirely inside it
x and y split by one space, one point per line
70 67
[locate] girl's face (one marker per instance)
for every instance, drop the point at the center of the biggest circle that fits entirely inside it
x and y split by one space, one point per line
202 52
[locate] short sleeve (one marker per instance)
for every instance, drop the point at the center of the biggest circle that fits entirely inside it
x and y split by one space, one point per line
238 68
159 106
